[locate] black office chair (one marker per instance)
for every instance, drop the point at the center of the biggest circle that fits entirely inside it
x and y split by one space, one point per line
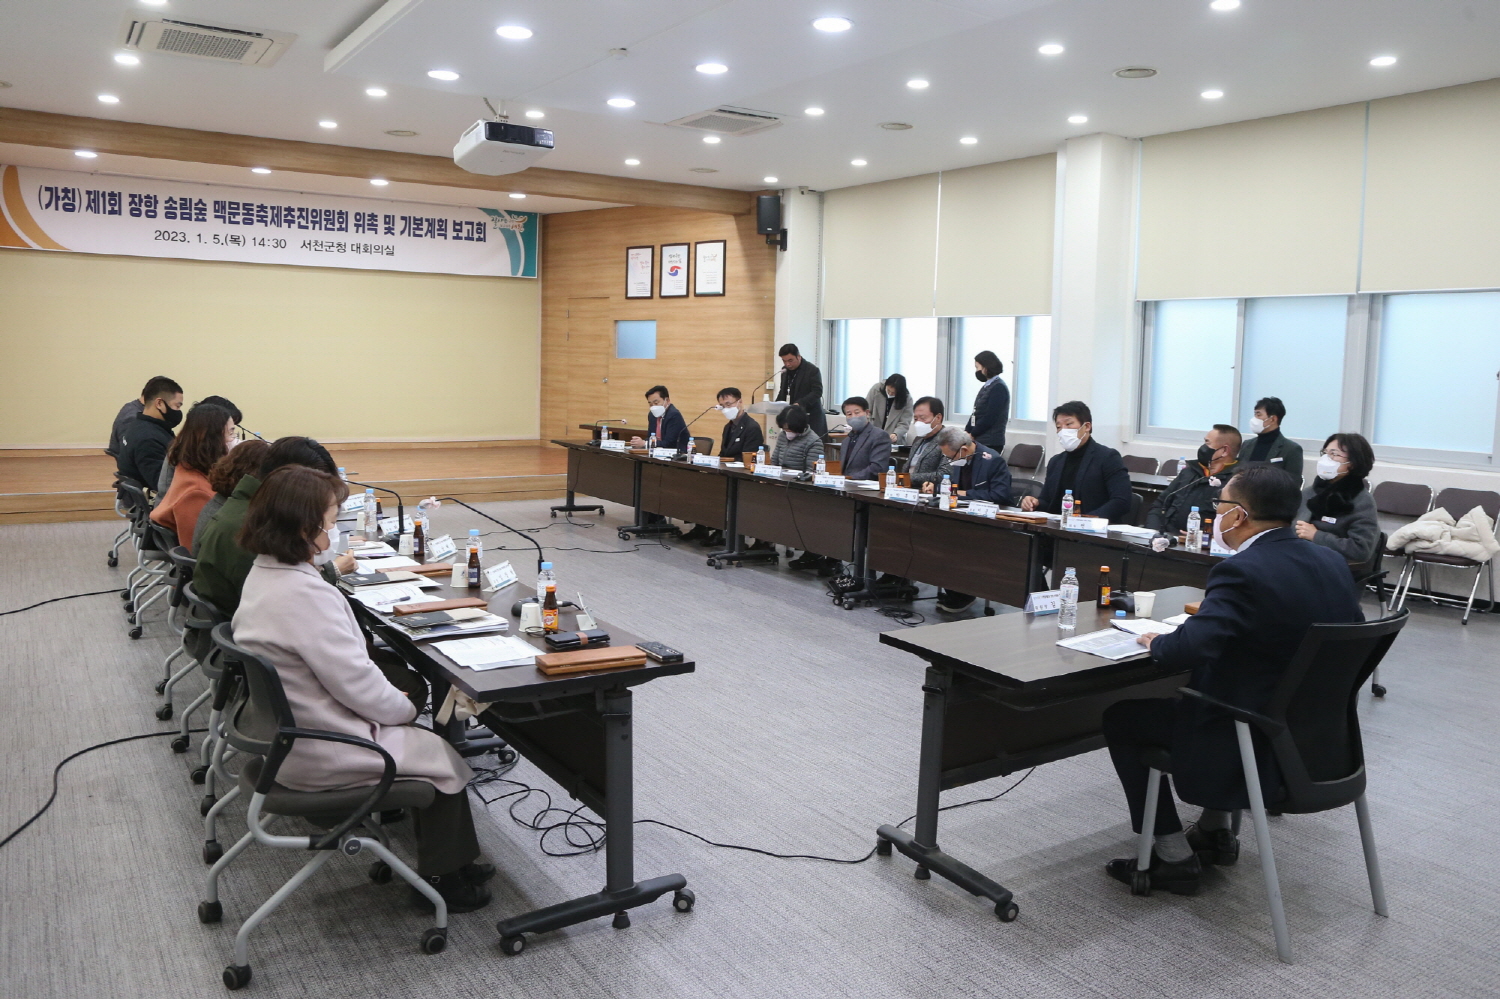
122 510
261 724
1170 467
181 575
1311 727
1139 465
703 445
1370 573
1024 487
1137 503
1026 457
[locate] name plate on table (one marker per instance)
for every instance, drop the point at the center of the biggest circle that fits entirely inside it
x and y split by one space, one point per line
664 452
440 549
611 445
388 526
982 508
902 495
1044 602
355 502
833 481
1090 525
498 577
770 471
711 460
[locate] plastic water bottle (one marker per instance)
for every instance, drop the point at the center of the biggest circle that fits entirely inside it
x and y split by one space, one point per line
760 456
544 579
1194 530
343 473
372 514
945 493
1067 507
822 466
890 477
1067 614
651 443
690 449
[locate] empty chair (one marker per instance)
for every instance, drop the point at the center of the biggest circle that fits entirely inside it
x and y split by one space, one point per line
1025 457
1139 464
1170 467
703 445
1457 502
1311 726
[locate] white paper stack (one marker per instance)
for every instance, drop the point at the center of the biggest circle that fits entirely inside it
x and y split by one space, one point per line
1143 626
1107 644
489 652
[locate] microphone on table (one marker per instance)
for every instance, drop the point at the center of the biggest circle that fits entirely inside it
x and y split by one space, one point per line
540 558
703 414
599 425
251 432
400 511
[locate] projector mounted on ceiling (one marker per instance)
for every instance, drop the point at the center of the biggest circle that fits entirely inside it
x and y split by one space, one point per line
729 121
205 41
493 148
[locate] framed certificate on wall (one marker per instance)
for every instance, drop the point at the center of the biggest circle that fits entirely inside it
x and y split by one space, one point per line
708 267
674 270
638 268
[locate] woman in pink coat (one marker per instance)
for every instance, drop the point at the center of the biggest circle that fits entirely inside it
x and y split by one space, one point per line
293 619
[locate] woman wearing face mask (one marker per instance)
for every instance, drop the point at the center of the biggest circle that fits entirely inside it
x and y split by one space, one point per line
797 447
891 406
992 405
1338 511
302 626
203 441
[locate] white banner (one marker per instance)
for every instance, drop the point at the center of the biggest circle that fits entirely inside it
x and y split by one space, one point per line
93 213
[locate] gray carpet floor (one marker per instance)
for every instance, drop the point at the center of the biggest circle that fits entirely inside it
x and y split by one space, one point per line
797 733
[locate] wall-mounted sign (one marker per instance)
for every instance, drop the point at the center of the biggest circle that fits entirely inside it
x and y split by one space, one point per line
674 270
638 268
96 213
708 267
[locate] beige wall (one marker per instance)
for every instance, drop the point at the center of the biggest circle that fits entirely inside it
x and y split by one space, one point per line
336 354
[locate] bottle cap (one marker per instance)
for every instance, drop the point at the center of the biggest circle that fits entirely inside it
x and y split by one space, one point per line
473 532
371 492
546 565
1194 509
1119 613
1104 568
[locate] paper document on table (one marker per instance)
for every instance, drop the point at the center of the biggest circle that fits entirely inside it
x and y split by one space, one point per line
1143 626
862 483
489 652
1107 644
388 562
1132 532
387 595
1176 620
489 622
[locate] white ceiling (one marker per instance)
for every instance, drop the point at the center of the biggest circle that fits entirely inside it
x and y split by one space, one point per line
987 79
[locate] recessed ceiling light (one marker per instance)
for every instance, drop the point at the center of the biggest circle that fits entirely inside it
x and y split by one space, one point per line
813 112
1225 4
1051 48
1135 73
108 99
85 154
513 31
517 194
632 162
712 140
374 92
154 3
1211 95
1078 119
711 68
126 59
260 169
446 75
833 24
533 113
400 133
968 140
4 85
858 162
379 181
328 124
620 102
918 84
769 180
895 126
703 170
1383 61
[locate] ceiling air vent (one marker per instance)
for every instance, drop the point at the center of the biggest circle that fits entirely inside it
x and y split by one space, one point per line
729 121
206 41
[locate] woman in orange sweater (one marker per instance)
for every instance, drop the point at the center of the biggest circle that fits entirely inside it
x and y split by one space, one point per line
204 439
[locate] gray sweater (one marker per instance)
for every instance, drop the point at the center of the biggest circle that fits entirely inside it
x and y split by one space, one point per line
1354 534
798 454
927 462
885 414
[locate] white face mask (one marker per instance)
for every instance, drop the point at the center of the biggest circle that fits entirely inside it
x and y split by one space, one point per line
1328 468
919 430
890 393
328 554
1067 439
1219 532
658 411
791 435
730 412
1257 425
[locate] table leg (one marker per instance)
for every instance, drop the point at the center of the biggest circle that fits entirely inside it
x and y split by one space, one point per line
922 846
859 563
621 891
737 553
643 528
572 507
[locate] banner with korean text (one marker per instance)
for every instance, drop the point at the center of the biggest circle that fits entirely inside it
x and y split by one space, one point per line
94 213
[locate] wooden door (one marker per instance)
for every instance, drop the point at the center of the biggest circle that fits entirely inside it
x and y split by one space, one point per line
586 355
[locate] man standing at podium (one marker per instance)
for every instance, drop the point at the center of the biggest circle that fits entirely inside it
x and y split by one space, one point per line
802 383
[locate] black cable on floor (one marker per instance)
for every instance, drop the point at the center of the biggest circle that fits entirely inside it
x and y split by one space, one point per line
71 596
58 769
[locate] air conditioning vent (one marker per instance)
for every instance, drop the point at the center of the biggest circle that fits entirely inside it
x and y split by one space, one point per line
729 121
206 41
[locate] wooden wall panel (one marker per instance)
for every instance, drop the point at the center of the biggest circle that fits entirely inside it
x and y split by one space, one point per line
702 344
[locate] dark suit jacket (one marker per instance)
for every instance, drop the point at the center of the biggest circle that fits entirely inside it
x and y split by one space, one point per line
991 413
1255 612
867 453
1191 488
671 430
1284 453
805 387
987 477
1102 487
741 434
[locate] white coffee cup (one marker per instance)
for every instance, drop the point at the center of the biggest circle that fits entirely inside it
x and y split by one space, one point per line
531 616
460 574
1145 603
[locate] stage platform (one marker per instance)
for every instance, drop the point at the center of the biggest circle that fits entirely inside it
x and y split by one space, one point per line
54 486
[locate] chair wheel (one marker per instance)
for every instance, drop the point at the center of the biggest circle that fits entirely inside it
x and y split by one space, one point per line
624 536
212 851
206 804
113 561
882 846
1007 911
210 912
507 755
683 899
715 563
236 976
380 873
124 594
1377 690
199 774
1140 883
163 713
135 632
180 744
161 687
434 941
512 945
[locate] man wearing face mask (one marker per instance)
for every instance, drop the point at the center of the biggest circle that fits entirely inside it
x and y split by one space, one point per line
976 473
1256 609
145 440
926 463
1096 474
134 408
665 421
742 434
867 450
1269 444
1199 482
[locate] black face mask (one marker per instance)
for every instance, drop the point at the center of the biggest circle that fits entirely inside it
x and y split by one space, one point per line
1206 454
171 417
981 376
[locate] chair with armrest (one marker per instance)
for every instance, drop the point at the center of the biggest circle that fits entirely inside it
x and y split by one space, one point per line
1457 502
1024 487
260 724
197 638
151 578
123 511
1138 464
1370 573
1311 729
181 575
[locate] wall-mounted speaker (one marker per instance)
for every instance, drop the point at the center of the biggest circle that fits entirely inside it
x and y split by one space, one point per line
768 214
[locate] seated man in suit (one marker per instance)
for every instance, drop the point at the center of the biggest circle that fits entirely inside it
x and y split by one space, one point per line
1199 482
867 450
665 421
926 463
976 473
1096 474
1255 611
742 438
1269 444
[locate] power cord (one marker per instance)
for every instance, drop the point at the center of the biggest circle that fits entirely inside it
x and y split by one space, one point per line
71 596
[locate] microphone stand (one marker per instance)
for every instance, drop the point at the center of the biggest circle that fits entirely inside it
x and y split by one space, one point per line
540 558
400 511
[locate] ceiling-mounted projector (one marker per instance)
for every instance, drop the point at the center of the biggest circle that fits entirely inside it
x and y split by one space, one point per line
496 147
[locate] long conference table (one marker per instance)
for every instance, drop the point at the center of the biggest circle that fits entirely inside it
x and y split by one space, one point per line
998 560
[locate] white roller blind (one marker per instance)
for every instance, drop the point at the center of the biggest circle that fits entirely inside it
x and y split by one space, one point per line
1257 208
879 249
1432 216
995 229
